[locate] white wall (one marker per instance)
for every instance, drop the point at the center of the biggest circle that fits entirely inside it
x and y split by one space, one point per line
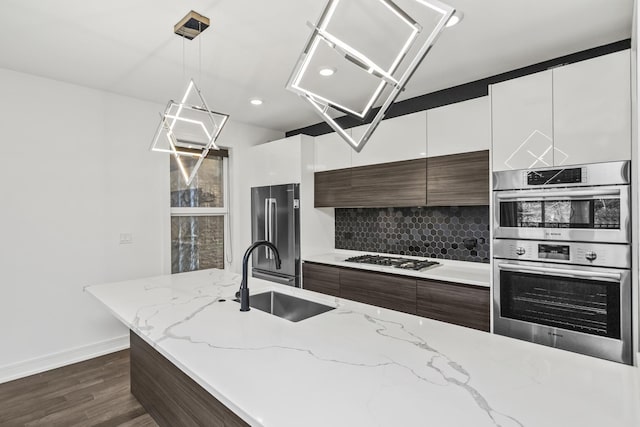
76 173
635 159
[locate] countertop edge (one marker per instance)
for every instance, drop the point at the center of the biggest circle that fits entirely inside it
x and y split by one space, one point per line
432 274
181 366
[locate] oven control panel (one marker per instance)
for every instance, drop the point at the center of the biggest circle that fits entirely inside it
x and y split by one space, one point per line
559 252
556 176
594 174
595 254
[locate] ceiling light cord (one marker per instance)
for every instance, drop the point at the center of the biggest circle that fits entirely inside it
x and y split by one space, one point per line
184 70
200 53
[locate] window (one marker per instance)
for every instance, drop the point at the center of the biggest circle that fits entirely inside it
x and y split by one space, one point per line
198 215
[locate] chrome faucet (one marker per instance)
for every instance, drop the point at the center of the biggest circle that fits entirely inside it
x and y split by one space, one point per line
244 288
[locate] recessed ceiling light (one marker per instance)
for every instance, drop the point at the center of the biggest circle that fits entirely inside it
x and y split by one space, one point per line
455 18
327 71
255 101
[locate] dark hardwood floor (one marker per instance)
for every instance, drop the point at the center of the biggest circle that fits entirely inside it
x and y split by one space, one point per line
91 393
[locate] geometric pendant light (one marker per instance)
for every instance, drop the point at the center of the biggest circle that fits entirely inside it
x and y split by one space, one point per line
361 54
188 129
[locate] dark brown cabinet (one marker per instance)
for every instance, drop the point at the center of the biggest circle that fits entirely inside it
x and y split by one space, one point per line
382 290
332 188
453 180
170 396
458 179
394 184
455 303
321 278
464 305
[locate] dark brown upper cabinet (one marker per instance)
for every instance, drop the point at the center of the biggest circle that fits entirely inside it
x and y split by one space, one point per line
394 184
458 179
332 188
452 180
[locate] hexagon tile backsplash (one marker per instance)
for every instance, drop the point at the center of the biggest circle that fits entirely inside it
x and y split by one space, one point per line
458 233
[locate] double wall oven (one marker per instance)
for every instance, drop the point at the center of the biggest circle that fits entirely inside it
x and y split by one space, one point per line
562 258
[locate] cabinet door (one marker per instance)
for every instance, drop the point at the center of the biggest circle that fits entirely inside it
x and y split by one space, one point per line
273 163
382 290
321 278
331 152
462 305
395 139
332 188
522 122
458 179
592 110
459 128
393 184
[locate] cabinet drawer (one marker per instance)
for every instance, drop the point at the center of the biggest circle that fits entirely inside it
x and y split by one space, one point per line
462 305
321 278
395 293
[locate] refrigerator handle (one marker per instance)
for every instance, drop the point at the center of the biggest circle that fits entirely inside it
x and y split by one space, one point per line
267 226
270 223
274 223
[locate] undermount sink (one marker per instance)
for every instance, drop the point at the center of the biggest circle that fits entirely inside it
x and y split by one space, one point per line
286 306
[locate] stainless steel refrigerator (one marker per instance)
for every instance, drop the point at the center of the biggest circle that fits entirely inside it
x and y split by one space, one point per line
275 217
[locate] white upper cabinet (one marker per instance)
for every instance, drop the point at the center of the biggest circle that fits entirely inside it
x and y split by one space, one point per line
592 110
332 152
522 117
395 139
569 115
273 163
459 128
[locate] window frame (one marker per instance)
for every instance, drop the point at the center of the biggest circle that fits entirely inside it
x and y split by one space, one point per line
209 212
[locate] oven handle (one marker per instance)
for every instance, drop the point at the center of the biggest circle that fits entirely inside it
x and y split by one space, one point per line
561 272
562 193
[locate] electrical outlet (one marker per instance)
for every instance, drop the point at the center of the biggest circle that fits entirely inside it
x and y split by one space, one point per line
126 238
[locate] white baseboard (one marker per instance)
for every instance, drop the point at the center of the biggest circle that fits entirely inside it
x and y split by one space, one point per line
63 358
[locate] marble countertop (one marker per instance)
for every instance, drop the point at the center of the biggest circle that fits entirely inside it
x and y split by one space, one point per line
470 273
360 365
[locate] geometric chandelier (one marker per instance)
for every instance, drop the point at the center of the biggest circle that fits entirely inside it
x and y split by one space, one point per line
188 129
361 54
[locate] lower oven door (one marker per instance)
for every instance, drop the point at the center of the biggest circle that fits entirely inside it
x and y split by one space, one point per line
577 308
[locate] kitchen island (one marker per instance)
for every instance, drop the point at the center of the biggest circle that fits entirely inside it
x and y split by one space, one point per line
359 365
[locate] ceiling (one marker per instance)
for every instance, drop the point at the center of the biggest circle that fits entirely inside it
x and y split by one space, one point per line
128 46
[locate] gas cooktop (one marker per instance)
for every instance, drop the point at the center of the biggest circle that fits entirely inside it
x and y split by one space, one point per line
388 261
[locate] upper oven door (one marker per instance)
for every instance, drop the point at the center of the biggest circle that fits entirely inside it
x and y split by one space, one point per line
593 214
